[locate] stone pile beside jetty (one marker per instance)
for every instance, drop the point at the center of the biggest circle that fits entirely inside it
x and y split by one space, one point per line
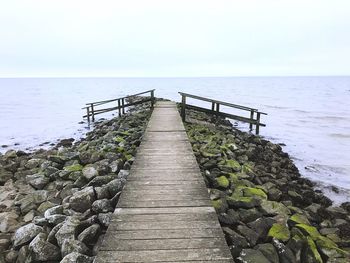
268 212
55 205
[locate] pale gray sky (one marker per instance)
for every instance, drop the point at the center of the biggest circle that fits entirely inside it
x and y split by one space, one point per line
145 38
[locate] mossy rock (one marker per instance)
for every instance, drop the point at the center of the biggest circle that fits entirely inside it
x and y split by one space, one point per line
274 208
119 139
250 191
247 168
242 202
280 232
311 254
73 168
230 164
309 230
327 247
298 219
220 205
222 182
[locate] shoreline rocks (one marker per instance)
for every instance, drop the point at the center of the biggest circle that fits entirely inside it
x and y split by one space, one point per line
56 204
268 212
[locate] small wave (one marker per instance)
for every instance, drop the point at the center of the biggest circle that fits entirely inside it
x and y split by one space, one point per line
340 135
331 118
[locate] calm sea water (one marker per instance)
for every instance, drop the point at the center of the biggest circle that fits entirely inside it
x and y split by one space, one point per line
308 114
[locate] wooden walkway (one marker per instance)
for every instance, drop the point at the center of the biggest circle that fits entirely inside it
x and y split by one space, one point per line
164 213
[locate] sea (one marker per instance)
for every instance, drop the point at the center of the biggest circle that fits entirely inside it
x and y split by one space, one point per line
308 116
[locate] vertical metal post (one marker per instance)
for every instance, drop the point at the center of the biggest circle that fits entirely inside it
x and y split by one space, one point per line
217 107
213 106
123 105
88 114
251 118
183 108
92 112
257 123
119 109
152 99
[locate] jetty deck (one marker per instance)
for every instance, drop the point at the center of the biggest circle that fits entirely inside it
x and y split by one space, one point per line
164 213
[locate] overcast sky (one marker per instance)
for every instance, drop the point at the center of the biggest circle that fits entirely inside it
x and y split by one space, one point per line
160 38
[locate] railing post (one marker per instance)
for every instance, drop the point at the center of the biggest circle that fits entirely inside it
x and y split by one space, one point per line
217 107
213 106
152 99
251 118
257 123
119 109
88 114
123 105
183 108
92 112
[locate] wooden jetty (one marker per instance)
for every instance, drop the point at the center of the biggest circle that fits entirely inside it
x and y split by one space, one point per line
164 213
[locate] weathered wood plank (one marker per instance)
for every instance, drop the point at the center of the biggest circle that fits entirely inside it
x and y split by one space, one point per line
164 217
165 255
162 203
168 210
112 243
204 224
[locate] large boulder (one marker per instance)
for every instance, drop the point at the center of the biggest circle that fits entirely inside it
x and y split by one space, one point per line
90 234
82 200
102 206
89 172
252 256
71 245
38 181
77 258
25 234
41 250
68 230
4 175
8 221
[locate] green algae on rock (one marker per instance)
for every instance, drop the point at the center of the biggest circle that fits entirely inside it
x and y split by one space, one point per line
280 232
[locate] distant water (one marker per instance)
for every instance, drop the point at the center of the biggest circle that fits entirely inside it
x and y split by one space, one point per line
309 114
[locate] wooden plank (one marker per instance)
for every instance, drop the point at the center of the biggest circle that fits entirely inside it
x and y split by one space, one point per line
164 217
169 210
162 203
164 255
161 197
112 243
204 224
167 233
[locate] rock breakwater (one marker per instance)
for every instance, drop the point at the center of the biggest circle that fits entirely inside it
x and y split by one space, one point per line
56 204
268 212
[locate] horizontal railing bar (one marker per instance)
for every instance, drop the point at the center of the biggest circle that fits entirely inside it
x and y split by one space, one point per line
97 103
227 115
218 102
100 111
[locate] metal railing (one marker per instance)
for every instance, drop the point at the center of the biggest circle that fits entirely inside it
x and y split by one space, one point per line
253 119
122 103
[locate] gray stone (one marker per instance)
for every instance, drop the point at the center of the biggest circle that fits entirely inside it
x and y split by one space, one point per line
56 219
29 216
89 172
38 181
102 206
51 237
25 234
58 209
249 234
115 186
71 245
101 180
261 226
33 163
285 254
269 252
102 193
235 241
68 230
90 234
252 256
22 254
10 256
77 258
41 250
5 175
82 200
123 174
105 218
8 221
